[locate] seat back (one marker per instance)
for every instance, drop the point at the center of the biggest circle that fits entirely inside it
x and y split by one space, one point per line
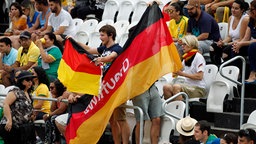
125 10
82 37
94 40
176 108
139 9
110 10
167 128
88 26
252 118
223 26
102 23
121 27
231 72
210 75
123 39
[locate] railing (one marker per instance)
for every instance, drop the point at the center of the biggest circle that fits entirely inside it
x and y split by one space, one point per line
2 96
237 82
185 96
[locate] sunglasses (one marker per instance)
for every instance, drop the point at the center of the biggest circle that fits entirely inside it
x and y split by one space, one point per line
170 11
28 79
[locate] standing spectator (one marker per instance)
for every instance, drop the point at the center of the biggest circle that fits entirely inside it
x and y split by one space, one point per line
41 84
51 54
202 25
18 111
8 54
203 132
109 51
246 136
60 21
247 45
185 127
194 65
237 23
27 56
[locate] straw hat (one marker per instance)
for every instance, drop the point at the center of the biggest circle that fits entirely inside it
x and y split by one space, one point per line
185 126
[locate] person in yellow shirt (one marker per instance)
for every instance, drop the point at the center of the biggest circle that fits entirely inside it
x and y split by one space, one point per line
178 23
41 89
27 56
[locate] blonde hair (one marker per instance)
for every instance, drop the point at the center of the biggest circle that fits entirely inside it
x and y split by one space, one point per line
191 41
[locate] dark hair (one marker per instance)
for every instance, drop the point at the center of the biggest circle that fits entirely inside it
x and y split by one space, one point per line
17 6
110 30
56 1
178 6
6 40
44 2
184 139
25 4
55 42
243 5
230 138
60 88
21 86
204 125
249 134
41 75
253 4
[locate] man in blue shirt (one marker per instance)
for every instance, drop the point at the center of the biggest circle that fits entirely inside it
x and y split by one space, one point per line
202 25
8 54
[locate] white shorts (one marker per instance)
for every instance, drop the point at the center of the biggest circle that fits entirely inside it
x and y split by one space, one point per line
62 119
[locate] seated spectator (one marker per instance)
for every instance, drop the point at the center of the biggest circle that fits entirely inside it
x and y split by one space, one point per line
57 108
41 84
29 10
27 56
8 54
51 54
178 23
18 111
60 22
185 127
203 132
237 23
246 136
202 25
229 138
18 19
42 20
193 64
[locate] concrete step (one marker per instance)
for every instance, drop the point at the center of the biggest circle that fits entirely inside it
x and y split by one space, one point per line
249 105
229 120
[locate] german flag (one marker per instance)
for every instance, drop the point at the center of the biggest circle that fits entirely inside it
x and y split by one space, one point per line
148 54
77 72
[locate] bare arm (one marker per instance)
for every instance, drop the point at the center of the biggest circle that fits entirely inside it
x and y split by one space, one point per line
45 57
9 100
197 76
60 31
203 36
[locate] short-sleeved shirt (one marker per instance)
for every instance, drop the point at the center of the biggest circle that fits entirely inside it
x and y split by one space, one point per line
43 91
63 19
11 57
205 24
252 28
197 65
178 29
32 55
104 51
56 54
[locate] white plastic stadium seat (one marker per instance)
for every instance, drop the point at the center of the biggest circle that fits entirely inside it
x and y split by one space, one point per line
167 128
88 26
102 23
223 30
94 40
77 22
221 88
123 39
139 9
121 27
125 10
2 89
251 122
82 37
110 10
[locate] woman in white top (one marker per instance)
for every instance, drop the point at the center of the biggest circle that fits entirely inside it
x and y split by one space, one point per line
237 25
194 65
